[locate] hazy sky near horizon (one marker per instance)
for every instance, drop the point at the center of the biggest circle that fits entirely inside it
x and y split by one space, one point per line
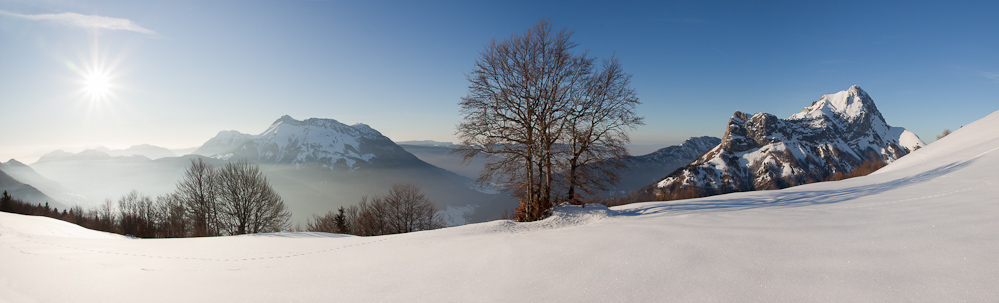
77 74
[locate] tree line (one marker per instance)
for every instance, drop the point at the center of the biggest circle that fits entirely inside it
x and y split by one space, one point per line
404 209
230 200
237 199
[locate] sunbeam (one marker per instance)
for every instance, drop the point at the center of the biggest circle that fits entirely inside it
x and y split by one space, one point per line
97 85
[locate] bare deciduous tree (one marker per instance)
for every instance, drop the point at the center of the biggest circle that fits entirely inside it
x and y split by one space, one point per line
173 216
248 204
409 210
196 190
535 107
136 215
107 217
598 129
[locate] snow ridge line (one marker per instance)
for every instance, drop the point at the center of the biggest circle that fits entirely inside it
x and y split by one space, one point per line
292 255
896 201
983 153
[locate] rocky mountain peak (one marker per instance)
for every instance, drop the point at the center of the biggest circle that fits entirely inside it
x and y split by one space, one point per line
849 105
836 134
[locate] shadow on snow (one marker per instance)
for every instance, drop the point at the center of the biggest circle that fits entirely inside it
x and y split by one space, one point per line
790 199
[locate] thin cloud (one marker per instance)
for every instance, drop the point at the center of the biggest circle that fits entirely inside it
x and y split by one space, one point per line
990 75
718 50
92 22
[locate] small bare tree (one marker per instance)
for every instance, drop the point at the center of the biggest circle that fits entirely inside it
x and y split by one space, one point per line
944 134
248 204
136 215
196 190
409 210
331 222
107 217
173 219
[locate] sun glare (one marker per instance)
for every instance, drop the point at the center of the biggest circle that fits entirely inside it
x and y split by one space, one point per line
97 85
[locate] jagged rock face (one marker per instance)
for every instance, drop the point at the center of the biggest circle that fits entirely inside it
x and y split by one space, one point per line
835 134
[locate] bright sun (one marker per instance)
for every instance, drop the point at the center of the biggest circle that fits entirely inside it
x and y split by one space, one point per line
97 85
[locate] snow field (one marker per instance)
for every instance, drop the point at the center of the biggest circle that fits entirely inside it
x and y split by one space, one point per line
923 229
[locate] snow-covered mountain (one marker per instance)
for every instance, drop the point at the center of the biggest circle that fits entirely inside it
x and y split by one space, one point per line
224 142
325 142
835 134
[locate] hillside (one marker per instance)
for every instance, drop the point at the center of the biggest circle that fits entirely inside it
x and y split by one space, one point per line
25 192
922 229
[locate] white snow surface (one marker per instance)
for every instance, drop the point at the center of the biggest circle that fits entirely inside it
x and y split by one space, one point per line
923 229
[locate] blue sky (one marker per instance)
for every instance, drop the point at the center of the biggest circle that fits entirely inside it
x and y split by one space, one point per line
180 71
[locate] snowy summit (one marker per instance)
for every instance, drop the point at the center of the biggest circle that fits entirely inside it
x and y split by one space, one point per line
836 134
315 141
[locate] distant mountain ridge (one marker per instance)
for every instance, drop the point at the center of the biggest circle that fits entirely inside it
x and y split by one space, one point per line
52 190
135 152
639 171
837 133
224 142
21 190
145 150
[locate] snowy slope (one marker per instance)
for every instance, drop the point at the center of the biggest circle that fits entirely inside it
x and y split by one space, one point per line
924 229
